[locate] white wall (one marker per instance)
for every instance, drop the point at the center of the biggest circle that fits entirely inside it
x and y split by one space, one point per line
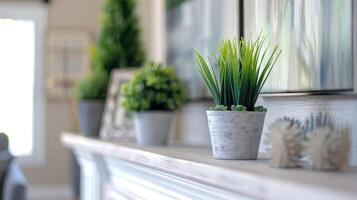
153 27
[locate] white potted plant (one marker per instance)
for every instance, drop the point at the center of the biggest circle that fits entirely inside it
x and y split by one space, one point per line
153 95
235 123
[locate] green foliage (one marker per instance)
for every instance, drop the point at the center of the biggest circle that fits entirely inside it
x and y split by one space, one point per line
92 87
260 109
118 46
243 68
154 87
239 108
218 108
170 4
119 41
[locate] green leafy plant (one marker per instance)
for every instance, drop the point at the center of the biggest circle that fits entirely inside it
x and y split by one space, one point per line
119 45
243 68
260 109
171 4
119 42
154 87
94 85
239 108
219 108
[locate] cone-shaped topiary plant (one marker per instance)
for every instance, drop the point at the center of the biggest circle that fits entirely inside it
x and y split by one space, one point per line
119 45
94 85
119 41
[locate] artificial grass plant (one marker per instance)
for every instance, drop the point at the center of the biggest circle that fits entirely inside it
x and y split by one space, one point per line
243 68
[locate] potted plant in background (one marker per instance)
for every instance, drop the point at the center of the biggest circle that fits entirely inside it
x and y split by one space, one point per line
153 94
118 46
90 93
235 123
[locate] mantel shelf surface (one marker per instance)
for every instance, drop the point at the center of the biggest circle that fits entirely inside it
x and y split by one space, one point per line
251 177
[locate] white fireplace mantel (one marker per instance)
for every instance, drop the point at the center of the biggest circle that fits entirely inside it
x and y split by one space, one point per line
113 171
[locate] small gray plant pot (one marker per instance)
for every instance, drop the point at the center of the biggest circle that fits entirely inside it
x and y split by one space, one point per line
90 116
235 135
153 127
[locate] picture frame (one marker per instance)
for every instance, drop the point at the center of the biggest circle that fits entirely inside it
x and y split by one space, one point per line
67 61
117 123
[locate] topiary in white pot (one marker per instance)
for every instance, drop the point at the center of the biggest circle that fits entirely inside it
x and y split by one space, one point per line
235 123
153 94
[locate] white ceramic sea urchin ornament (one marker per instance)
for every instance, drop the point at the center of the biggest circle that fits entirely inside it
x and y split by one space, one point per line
328 148
285 141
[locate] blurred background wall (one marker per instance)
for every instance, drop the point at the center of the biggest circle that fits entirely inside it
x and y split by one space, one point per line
53 177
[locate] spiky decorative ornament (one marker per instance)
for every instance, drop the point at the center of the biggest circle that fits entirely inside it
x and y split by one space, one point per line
321 119
285 141
328 148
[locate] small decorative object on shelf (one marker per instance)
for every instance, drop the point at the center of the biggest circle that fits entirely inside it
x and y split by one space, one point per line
117 123
319 120
285 142
235 123
327 147
154 93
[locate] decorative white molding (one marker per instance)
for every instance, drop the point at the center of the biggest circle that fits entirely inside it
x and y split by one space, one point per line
156 184
90 177
171 172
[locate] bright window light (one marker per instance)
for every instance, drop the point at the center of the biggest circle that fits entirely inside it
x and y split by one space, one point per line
17 73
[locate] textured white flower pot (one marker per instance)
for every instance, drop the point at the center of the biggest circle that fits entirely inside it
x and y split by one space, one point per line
235 135
153 127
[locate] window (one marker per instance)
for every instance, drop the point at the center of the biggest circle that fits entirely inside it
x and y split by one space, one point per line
16 116
21 95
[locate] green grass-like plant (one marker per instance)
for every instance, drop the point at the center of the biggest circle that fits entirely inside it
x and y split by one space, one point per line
153 87
243 68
